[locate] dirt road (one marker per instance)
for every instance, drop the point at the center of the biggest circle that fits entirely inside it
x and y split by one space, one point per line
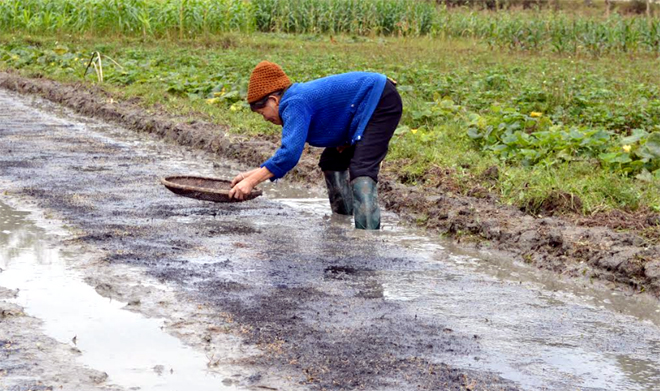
269 294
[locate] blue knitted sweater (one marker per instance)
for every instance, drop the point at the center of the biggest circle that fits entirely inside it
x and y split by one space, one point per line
327 112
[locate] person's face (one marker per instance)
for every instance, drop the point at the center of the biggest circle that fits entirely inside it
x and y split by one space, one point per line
271 112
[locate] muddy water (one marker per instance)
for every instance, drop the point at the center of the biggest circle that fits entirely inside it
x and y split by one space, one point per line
535 328
335 305
131 349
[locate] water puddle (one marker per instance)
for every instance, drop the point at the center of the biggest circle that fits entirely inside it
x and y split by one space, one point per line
131 349
535 328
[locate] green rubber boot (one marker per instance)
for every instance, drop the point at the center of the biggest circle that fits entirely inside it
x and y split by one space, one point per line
339 192
365 203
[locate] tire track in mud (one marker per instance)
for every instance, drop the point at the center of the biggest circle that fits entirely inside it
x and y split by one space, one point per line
623 260
305 293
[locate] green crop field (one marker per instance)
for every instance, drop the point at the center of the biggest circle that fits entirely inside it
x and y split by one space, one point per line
561 104
558 32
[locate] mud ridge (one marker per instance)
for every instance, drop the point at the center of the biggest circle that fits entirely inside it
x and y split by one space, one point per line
620 259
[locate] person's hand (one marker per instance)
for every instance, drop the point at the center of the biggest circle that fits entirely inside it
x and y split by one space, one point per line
242 189
243 183
237 179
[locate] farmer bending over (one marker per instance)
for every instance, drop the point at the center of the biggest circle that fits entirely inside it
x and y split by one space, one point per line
352 115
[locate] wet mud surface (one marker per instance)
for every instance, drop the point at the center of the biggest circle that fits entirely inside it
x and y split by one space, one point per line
281 295
622 259
283 283
87 310
30 360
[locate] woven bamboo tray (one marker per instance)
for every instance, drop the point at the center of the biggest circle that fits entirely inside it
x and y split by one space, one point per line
203 188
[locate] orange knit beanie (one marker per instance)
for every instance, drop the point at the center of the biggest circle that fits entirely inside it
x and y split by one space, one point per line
266 78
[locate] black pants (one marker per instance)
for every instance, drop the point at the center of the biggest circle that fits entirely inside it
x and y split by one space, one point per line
364 157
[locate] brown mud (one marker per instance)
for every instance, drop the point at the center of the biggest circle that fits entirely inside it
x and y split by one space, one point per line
623 260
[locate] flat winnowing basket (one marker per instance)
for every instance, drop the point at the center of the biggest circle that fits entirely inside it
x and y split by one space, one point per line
203 188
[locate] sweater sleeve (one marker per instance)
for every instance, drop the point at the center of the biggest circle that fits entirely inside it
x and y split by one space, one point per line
296 117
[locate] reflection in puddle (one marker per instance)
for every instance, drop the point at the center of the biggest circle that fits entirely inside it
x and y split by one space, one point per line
131 349
534 328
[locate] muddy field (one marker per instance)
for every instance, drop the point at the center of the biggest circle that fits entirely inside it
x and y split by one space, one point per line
595 248
276 293
314 312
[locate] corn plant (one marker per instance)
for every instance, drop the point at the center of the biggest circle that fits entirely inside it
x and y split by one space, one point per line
182 19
